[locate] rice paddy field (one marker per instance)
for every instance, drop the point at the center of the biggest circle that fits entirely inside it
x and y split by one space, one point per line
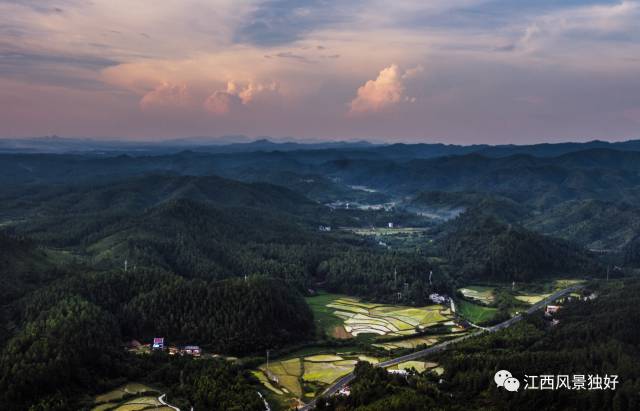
531 298
484 295
346 317
407 343
308 371
120 399
302 376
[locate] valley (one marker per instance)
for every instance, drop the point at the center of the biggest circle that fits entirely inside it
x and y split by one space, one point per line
285 291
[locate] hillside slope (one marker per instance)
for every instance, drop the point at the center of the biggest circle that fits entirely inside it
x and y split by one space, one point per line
484 248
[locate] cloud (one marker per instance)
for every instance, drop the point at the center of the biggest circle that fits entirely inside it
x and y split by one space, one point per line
166 95
290 55
413 72
582 24
219 103
279 22
222 102
388 89
254 90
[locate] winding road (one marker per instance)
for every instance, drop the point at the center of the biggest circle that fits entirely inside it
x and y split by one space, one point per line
342 382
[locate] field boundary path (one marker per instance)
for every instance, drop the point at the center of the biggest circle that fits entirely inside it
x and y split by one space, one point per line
340 383
163 402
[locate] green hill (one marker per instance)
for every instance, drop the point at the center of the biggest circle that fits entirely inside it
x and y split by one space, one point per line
591 223
23 267
136 194
484 248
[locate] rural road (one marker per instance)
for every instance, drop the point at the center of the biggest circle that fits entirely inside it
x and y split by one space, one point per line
339 384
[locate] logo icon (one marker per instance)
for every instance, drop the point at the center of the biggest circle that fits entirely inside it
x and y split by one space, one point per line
504 379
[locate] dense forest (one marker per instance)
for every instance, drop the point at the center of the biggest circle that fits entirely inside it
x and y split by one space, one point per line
387 277
486 248
71 333
218 249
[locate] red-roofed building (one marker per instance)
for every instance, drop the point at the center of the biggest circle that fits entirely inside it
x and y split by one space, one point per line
158 343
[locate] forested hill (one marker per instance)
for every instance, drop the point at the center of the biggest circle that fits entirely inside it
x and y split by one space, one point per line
540 182
23 267
601 225
194 240
482 247
71 339
134 195
594 173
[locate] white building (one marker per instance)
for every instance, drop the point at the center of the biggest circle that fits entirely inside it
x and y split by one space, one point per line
437 298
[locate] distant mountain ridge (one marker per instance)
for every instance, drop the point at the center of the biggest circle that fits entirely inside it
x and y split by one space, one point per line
241 143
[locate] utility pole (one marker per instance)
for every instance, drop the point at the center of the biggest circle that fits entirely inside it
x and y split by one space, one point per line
395 278
126 263
267 361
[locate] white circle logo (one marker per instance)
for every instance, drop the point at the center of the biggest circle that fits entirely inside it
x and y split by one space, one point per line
501 376
511 384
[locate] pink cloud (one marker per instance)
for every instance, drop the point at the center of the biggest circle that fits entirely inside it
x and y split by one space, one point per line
222 102
166 95
219 103
388 89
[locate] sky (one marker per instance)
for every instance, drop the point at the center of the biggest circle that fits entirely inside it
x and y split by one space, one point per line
452 71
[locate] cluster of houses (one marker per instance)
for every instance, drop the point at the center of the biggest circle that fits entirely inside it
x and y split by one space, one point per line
193 350
158 344
549 311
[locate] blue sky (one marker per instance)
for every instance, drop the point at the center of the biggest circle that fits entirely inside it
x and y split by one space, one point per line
458 71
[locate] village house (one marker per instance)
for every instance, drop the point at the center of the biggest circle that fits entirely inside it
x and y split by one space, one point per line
551 309
158 343
437 298
346 391
193 350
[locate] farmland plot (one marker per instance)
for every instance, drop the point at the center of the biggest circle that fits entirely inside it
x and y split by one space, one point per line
382 319
484 295
297 376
